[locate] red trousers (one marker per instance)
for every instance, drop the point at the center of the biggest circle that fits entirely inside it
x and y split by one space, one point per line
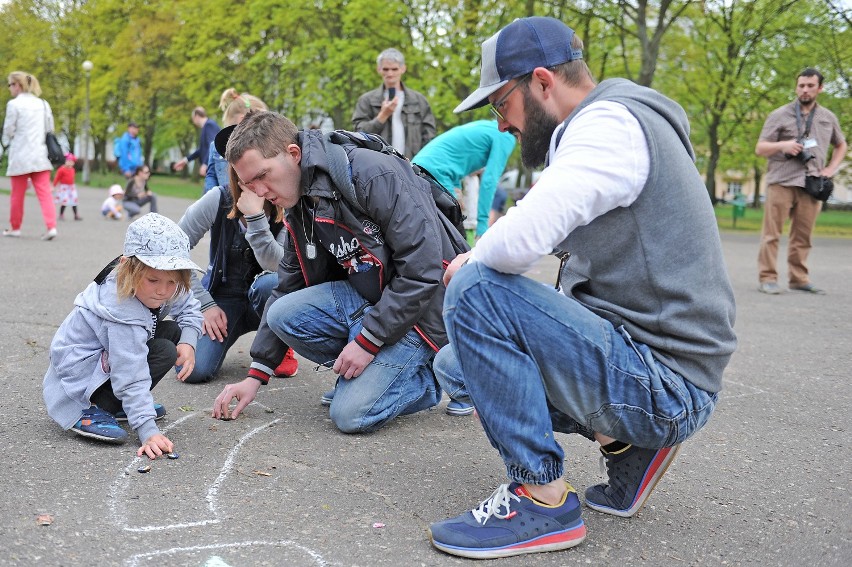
41 183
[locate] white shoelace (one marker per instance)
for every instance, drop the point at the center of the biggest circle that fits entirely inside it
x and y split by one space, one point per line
502 497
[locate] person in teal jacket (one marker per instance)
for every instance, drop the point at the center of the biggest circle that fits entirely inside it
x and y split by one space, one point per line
466 149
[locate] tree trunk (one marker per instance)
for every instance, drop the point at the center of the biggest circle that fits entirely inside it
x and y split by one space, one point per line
758 177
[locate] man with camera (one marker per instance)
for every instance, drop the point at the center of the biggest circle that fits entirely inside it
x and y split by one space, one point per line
795 140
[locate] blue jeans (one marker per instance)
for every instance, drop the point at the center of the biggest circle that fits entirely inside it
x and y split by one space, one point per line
534 361
243 314
318 321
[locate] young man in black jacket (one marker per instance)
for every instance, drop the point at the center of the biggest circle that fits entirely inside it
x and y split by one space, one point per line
361 293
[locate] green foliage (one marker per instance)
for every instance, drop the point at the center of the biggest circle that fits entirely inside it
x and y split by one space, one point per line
728 62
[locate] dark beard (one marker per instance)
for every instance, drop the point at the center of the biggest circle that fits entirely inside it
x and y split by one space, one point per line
538 129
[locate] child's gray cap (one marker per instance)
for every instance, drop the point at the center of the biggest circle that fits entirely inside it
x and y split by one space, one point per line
159 243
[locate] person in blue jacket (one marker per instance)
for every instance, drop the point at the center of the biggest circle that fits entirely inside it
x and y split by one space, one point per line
129 151
466 149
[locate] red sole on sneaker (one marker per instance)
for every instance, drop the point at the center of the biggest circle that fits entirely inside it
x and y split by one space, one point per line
550 542
655 472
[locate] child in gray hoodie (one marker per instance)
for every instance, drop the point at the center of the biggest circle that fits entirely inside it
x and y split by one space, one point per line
115 345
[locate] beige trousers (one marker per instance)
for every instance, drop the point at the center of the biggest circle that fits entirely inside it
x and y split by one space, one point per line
782 203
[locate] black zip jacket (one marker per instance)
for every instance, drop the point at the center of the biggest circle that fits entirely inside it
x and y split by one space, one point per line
401 232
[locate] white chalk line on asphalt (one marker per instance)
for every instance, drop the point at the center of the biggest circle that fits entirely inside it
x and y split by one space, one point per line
212 492
755 391
211 498
317 558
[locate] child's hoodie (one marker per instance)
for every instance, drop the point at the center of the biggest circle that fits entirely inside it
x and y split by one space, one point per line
104 338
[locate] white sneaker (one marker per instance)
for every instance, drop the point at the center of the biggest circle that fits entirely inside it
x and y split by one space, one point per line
49 235
12 233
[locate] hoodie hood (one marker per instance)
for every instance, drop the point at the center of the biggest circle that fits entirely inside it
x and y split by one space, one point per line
316 181
621 89
103 301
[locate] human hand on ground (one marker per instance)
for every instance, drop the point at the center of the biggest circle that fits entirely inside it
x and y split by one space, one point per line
155 446
244 392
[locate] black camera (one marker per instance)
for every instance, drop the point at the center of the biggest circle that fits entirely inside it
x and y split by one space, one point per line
804 156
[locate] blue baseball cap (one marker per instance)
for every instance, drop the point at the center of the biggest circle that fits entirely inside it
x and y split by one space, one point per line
518 49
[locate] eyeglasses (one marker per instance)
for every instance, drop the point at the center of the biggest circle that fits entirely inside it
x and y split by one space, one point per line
495 108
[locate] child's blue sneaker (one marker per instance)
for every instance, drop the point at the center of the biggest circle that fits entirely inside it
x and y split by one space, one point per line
510 522
455 407
98 424
158 409
327 398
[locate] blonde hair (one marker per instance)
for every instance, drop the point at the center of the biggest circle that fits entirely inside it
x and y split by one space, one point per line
236 105
27 82
130 271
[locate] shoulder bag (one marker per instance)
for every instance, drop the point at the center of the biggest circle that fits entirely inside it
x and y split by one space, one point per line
54 149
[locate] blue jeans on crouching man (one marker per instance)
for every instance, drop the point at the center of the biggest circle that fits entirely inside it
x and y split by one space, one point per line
533 361
318 321
243 310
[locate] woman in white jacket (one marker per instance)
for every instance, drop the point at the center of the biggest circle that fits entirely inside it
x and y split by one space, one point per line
28 119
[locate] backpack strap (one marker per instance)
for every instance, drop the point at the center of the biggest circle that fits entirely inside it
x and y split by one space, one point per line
339 167
102 275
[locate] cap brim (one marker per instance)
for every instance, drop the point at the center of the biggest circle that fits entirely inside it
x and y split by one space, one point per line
168 263
221 140
479 97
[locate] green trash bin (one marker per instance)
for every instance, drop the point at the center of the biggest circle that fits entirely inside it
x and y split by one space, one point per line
738 210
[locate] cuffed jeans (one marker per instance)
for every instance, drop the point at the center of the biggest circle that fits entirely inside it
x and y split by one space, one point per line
243 314
318 321
533 361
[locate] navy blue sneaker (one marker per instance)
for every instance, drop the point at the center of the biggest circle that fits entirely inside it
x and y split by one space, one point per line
158 409
98 424
509 523
455 407
633 473
327 398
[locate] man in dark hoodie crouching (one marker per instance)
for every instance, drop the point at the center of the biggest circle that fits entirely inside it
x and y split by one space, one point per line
359 292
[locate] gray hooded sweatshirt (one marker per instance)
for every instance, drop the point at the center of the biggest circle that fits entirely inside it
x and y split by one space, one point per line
104 338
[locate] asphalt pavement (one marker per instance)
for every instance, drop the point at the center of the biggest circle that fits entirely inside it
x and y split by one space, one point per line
766 482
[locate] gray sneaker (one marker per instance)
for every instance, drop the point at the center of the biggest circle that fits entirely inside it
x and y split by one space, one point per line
808 288
770 288
633 473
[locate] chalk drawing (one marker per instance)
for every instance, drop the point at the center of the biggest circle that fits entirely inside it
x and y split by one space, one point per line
135 560
212 497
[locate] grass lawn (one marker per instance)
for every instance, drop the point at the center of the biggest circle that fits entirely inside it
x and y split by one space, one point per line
166 185
829 223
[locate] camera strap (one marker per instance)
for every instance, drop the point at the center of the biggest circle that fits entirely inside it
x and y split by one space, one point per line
807 123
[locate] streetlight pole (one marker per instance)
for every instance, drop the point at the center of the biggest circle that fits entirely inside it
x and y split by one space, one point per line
87 67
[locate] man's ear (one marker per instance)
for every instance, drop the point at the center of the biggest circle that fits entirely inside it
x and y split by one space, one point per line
295 152
543 81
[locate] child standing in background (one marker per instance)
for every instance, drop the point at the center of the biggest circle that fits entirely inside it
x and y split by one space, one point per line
116 345
111 207
65 191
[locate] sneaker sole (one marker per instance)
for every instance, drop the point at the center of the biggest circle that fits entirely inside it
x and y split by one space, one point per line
464 411
551 542
116 440
655 472
325 401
